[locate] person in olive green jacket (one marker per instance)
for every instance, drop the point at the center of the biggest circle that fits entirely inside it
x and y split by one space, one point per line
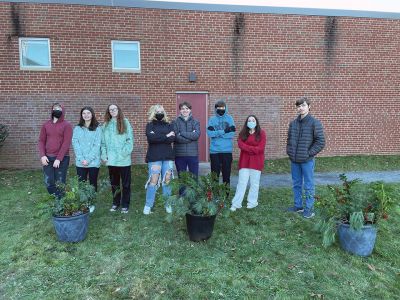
116 149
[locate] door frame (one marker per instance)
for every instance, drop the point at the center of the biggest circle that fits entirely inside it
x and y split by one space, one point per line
207 102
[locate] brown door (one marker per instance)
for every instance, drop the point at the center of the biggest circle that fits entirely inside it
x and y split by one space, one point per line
199 112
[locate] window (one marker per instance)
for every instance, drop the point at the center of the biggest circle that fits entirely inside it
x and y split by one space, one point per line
34 54
125 56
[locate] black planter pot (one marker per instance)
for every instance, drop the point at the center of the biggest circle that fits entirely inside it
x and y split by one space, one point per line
71 229
199 228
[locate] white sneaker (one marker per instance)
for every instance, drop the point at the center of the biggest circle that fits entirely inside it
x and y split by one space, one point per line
92 208
168 209
251 207
146 210
114 208
233 208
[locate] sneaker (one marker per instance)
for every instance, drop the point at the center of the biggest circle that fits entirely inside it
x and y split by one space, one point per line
251 207
146 210
308 214
92 208
295 209
168 209
114 208
124 210
233 208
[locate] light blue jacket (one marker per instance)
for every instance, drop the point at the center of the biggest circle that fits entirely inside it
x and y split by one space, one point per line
116 148
221 142
86 146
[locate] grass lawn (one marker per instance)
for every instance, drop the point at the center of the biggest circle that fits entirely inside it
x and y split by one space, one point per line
261 254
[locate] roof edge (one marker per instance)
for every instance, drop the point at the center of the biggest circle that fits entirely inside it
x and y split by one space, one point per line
221 8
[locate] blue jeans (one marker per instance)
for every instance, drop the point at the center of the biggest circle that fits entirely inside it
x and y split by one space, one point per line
158 167
183 163
52 175
303 172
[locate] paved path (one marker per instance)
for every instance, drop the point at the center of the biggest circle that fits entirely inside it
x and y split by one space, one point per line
284 180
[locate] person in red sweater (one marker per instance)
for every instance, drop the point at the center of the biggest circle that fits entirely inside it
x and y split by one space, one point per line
251 141
54 142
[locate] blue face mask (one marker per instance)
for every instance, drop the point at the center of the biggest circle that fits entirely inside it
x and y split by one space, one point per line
251 125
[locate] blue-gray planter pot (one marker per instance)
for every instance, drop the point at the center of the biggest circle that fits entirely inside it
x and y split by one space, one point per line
71 229
360 242
199 228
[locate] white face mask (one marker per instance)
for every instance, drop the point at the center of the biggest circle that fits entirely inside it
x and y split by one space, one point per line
251 125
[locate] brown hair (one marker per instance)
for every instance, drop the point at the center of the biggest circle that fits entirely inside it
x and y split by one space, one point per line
185 103
93 123
245 132
302 100
56 104
120 119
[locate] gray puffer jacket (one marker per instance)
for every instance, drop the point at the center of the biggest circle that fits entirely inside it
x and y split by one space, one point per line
305 139
187 134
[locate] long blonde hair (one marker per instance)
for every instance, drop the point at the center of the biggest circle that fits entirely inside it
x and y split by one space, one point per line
153 110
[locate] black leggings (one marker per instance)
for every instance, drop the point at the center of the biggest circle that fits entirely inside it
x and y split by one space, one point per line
83 174
120 175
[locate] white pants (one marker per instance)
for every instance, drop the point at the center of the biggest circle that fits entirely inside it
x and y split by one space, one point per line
252 197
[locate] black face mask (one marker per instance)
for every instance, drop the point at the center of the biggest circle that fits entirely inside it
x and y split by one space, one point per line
56 114
159 116
220 111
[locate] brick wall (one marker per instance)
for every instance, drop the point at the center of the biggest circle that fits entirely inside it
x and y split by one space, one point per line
258 63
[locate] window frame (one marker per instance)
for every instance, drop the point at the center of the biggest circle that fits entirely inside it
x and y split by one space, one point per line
125 70
34 68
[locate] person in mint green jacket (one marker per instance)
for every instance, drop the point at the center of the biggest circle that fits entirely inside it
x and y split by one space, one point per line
116 149
86 141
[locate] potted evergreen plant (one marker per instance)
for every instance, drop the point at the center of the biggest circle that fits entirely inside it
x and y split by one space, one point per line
71 211
352 211
200 200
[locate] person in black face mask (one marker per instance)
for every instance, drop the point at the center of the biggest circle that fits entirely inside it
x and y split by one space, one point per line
220 111
56 113
160 116
160 155
221 130
54 142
